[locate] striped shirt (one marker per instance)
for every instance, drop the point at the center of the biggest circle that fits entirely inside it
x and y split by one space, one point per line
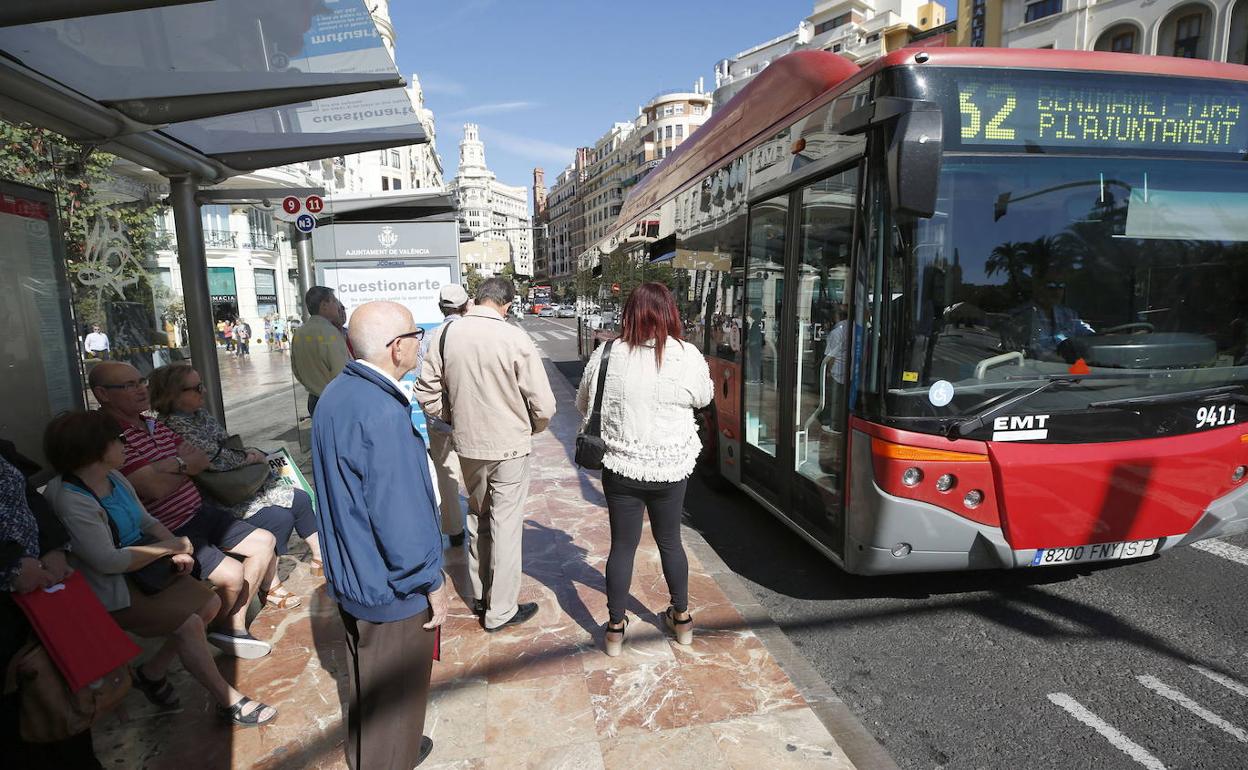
144 447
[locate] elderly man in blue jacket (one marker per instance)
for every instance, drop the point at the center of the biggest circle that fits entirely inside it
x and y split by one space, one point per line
381 539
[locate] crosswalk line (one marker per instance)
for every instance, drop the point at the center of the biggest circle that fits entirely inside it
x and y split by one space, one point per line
1106 730
1168 692
538 336
1222 679
1225 550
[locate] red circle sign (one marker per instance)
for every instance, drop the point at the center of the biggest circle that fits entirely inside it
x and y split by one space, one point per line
290 204
314 203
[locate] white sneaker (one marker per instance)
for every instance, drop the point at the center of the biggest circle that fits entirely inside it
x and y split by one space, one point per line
246 647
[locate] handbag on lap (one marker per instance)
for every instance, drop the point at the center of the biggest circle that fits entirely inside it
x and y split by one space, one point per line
590 448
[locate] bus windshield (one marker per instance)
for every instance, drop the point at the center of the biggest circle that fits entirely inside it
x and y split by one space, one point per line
1126 277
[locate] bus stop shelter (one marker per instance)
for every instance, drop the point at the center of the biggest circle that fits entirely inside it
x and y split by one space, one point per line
201 91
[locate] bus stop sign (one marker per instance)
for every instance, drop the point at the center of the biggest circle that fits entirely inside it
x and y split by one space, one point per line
306 223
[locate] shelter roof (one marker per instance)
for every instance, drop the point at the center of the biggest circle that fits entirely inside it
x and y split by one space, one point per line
212 88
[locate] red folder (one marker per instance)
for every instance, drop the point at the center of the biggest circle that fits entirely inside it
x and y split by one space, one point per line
80 636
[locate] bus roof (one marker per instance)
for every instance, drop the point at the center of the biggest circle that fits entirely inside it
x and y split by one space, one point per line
799 79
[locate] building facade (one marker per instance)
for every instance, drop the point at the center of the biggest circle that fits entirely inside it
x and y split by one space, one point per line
488 208
541 222
860 30
563 208
1198 29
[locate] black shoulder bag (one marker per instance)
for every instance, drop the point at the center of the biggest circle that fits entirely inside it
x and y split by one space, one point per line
590 448
446 394
151 578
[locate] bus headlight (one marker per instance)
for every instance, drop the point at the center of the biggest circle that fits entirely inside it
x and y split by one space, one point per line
901 550
911 477
946 482
973 498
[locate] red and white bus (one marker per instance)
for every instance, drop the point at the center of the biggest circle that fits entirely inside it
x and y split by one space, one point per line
539 297
970 308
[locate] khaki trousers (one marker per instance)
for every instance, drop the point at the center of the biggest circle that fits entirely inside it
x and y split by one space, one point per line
450 476
390 667
497 491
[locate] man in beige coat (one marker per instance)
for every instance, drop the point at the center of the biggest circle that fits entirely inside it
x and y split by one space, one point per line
492 389
319 350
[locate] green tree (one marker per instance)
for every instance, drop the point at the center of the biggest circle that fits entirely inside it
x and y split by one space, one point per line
472 280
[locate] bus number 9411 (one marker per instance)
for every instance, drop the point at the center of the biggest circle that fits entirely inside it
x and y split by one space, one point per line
1213 416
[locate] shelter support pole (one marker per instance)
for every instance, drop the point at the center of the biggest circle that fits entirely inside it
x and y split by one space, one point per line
194 265
303 251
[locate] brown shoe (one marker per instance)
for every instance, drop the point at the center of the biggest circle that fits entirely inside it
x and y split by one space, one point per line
683 629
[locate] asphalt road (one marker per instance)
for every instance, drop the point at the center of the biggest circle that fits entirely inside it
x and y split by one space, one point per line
1143 664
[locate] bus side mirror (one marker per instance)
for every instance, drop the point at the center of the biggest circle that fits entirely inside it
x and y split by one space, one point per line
914 155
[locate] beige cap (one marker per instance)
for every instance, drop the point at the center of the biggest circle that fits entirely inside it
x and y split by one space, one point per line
452 295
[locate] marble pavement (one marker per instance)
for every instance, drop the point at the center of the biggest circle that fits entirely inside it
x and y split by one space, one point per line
541 695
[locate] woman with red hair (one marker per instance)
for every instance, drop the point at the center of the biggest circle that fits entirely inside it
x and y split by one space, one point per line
654 382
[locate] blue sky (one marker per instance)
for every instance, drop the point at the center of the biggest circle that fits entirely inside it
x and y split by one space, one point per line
541 77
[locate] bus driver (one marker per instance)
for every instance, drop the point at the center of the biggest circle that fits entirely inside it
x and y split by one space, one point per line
1045 323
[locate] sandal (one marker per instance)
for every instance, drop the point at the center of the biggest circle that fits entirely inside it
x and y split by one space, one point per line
282 599
683 629
614 638
317 568
159 692
234 714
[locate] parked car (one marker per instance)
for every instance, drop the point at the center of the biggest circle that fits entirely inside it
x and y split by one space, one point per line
547 312
567 311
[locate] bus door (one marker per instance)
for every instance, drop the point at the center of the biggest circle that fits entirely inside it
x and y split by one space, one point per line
762 395
817 356
796 344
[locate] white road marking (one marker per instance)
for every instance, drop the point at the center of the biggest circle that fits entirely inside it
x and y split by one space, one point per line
1165 691
1225 550
537 336
1107 731
1223 680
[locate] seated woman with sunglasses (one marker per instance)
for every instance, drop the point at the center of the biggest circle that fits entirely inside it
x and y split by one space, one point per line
112 538
177 396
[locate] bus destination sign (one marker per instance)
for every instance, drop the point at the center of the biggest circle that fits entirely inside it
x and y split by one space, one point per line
1114 112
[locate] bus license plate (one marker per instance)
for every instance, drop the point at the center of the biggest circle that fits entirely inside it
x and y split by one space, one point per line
1134 549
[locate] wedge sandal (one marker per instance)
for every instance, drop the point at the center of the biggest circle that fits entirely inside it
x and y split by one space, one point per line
614 639
683 629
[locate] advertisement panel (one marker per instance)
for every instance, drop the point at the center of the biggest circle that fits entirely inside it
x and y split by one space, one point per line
413 286
373 241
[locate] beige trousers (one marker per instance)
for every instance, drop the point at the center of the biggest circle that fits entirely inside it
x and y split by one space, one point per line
497 491
447 468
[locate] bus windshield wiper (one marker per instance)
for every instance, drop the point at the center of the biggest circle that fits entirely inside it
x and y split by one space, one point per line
1227 392
987 411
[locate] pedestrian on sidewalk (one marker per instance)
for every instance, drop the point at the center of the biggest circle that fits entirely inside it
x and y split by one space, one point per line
453 302
319 351
228 331
96 343
242 337
492 389
654 382
383 555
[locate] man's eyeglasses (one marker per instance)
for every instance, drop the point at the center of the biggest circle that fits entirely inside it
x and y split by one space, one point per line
1055 285
416 335
127 386
199 388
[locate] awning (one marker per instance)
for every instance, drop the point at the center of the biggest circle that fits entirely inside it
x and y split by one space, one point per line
212 88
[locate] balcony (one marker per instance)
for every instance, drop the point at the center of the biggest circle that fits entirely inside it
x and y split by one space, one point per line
257 240
220 239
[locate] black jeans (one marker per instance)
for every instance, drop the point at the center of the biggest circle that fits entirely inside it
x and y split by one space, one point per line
665 501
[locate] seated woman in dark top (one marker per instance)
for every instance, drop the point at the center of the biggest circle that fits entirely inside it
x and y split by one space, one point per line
112 537
176 393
